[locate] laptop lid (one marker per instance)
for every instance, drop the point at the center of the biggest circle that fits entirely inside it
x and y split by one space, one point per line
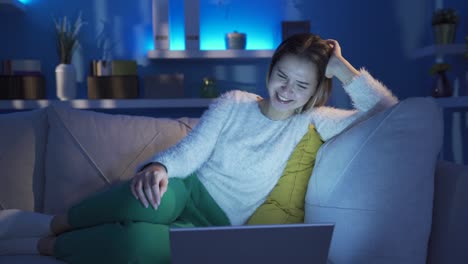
290 243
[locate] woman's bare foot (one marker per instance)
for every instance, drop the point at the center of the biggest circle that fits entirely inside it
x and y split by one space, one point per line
45 245
59 224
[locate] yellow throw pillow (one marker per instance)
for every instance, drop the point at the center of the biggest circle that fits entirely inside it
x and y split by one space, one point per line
285 203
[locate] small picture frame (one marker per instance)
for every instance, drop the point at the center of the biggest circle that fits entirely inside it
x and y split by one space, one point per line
289 28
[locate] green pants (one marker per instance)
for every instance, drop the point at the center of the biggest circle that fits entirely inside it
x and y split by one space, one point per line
114 227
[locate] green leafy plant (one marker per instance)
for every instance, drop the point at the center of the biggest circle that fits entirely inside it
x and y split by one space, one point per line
67 37
445 16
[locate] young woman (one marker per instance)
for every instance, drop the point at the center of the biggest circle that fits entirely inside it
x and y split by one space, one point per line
226 167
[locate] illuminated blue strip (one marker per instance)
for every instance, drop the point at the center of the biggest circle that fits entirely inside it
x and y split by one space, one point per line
259 19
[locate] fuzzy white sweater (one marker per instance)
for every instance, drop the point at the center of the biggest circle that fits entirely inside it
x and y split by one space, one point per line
239 154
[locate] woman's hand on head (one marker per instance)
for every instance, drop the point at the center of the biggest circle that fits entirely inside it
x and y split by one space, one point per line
338 66
336 59
149 185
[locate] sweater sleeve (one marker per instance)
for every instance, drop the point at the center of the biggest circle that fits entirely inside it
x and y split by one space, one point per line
368 96
192 151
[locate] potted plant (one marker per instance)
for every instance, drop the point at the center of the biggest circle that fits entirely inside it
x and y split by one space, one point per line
444 24
67 42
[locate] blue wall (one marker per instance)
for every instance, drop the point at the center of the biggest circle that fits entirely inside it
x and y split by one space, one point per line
378 35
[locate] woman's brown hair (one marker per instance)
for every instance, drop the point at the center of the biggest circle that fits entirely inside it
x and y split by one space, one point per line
314 49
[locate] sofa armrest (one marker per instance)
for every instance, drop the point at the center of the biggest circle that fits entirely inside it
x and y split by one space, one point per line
375 181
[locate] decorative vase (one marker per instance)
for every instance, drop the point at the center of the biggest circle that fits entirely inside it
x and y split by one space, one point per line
442 86
65 76
444 33
235 40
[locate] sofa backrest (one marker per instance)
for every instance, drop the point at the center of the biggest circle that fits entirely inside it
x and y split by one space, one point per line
375 181
89 151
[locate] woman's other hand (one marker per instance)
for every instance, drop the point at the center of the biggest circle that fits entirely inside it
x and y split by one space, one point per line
338 66
150 184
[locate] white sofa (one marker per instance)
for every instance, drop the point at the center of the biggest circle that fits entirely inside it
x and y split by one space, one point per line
380 181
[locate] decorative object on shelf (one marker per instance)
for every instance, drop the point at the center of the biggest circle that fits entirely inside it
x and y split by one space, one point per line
444 24
113 79
164 86
236 40
208 88
192 24
105 45
161 24
22 67
289 28
104 41
22 79
29 87
113 87
442 87
67 41
101 68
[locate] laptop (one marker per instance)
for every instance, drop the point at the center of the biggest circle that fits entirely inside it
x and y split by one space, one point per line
287 243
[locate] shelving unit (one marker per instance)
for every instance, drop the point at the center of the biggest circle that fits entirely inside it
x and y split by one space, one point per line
438 50
108 103
12 5
453 102
210 54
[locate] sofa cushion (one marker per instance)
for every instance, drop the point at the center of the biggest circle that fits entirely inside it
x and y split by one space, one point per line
285 203
449 238
88 151
375 182
22 146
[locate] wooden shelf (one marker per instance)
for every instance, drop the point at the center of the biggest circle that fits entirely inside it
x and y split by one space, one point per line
434 50
15 5
210 54
108 103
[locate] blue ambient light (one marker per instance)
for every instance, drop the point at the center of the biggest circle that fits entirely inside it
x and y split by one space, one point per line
260 20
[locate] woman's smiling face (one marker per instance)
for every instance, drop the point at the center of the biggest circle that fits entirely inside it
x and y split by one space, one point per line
290 86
